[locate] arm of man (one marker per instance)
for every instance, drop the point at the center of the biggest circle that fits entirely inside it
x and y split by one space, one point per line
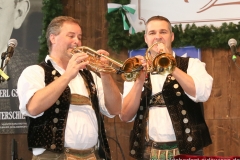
112 95
196 83
45 97
34 97
185 81
131 100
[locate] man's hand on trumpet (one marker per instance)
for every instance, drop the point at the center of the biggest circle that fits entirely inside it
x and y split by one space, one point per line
77 62
161 48
103 62
143 72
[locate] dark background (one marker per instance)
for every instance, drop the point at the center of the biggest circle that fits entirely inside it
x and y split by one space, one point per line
27 35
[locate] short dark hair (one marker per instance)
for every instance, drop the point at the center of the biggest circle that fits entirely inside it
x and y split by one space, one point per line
159 18
55 26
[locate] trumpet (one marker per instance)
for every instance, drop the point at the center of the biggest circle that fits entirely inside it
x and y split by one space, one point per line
129 69
163 63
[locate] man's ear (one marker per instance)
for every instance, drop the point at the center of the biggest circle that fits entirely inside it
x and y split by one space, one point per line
145 38
21 12
52 38
172 36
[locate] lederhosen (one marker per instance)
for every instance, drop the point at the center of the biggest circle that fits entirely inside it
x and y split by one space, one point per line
48 130
187 118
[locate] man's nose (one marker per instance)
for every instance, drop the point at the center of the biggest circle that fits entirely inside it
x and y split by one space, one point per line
158 37
77 41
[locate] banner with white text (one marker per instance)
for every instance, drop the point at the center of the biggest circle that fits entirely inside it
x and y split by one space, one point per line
25 29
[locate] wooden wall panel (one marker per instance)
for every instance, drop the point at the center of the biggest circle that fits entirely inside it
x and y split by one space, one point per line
92 18
223 102
209 60
118 133
222 110
225 136
6 145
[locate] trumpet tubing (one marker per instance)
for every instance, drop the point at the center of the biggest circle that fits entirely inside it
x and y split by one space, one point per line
95 63
129 69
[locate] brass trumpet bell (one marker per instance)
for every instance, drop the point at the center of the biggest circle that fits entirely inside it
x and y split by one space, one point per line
131 68
163 63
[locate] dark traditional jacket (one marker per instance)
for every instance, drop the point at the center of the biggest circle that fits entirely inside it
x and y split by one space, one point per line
48 130
187 118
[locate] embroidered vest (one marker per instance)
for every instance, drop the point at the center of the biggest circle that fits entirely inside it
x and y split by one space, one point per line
187 118
48 131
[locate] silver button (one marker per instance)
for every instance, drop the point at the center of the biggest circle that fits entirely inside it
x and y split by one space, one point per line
57 102
133 151
55 120
189 139
185 120
57 110
187 130
135 143
140 116
141 108
175 86
55 77
54 72
184 112
178 93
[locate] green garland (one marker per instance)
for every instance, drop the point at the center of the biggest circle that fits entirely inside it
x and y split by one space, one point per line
200 37
50 9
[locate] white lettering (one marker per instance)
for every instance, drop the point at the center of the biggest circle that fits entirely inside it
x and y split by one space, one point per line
11 115
14 93
4 93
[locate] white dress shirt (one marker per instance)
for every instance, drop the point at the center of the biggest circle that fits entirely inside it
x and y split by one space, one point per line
81 129
160 125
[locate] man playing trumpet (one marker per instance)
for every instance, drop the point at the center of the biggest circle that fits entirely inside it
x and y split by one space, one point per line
64 101
167 107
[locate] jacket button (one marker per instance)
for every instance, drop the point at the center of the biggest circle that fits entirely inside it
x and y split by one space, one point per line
193 149
133 151
53 146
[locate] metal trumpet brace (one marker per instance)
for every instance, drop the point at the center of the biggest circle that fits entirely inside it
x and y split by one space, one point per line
129 70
